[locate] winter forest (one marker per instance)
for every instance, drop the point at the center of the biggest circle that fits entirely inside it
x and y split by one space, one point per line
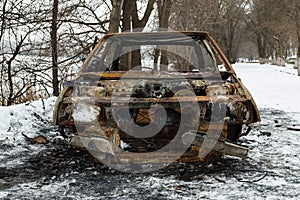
42 43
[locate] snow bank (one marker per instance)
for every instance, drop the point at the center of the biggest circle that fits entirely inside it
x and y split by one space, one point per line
24 118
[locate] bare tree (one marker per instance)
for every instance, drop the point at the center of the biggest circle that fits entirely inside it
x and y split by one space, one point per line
233 14
2 28
271 29
115 16
54 48
25 44
224 19
164 12
297 22
14 82
293 9
132 20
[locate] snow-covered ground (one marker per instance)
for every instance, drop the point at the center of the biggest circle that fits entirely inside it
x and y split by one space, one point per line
54 171
32 119
272 86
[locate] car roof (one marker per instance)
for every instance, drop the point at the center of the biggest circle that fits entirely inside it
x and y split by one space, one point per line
189 33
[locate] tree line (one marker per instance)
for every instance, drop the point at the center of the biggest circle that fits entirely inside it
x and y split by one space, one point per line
42 42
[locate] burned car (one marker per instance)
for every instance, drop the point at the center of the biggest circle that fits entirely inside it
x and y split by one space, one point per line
152 97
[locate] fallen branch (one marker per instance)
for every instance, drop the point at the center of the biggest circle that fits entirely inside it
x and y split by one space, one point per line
294 128
250 181
36 140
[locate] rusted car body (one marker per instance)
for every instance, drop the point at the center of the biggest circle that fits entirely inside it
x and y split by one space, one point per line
132 72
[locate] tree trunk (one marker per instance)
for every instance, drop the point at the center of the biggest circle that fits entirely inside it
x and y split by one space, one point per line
164 12
11 98
127 10
3 19
297 17
115 16
131 22
4 60
10 83
54 48
297 63
261 48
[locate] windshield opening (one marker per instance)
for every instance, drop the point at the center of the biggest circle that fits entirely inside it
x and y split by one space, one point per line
148 53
